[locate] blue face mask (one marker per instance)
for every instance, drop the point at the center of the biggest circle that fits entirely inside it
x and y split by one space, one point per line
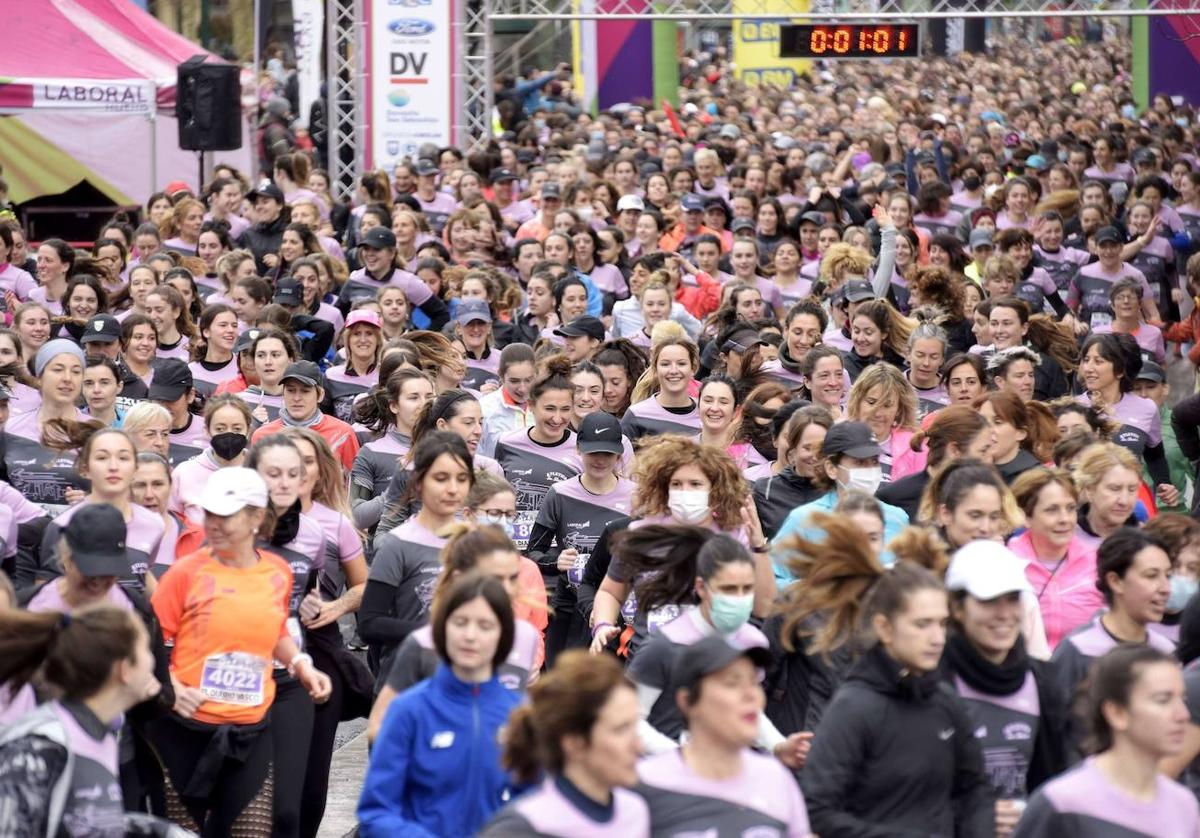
730 613
1183 588
1128 111
499 521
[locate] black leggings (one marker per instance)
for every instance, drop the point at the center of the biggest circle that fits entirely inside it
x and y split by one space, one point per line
291 736
239 802
320 754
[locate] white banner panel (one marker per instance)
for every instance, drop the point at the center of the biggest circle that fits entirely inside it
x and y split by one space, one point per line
308 22
409 85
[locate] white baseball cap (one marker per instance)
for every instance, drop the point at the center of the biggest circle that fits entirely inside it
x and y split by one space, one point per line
986 570
630 202
230 490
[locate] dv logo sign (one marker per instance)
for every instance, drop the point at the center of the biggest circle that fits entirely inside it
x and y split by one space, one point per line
408 63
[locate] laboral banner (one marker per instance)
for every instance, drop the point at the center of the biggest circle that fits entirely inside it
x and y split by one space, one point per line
409 85
308 23
756 43
108 96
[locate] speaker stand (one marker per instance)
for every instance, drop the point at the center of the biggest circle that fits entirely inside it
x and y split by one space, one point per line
200 182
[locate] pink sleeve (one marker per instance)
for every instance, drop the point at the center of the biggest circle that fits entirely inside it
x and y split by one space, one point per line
350 546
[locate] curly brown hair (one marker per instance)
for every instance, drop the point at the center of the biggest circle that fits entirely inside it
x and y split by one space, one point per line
665 454
938 287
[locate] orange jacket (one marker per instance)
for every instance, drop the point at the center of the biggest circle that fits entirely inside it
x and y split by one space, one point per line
338 434
701 300
673 238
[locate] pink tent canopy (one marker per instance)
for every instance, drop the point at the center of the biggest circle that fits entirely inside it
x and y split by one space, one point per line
82 42
67 62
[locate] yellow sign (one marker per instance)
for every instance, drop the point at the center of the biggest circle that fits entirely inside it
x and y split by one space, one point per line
756 43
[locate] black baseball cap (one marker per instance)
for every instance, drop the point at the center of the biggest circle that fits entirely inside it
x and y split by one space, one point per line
426 168
289 292
1108 234
853 439
551 189
96 536
814 217
692 202
379 238
600 433
742 224
245 340
585 326
858 290
710 655
172 379
502 175
306 372
267 189
1152 371
743 340
102 328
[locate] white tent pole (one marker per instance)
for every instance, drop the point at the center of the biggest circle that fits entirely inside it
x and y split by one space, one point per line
153 121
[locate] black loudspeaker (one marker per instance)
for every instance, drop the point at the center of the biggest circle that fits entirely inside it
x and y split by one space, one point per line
208 104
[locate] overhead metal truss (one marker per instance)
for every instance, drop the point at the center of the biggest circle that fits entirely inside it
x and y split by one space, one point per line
477 71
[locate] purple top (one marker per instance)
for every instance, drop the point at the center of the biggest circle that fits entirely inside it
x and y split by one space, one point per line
17 280
38 295
547 811
187 485
1119 171
1084 802
763 799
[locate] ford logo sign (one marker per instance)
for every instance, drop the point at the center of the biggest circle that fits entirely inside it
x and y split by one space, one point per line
408 27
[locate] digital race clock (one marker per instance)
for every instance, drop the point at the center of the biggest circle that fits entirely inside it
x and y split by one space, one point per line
849 40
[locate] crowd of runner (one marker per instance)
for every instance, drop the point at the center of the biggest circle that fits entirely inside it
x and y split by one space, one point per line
788 463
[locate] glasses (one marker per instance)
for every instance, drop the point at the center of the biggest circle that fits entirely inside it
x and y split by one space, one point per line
496 514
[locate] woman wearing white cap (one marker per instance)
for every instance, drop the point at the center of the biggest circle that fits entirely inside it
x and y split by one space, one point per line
216 746
1018 712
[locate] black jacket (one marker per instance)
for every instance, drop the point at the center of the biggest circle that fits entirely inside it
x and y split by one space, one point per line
264 238
895 755
778 494
904 493
800 683
1017 466
855 363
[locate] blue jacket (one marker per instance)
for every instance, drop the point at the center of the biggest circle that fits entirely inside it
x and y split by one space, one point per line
435 768
894 520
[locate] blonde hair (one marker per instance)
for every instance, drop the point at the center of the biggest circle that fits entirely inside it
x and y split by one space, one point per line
893 383
841 260
1096 461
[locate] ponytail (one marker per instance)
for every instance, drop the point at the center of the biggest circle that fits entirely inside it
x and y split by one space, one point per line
835 577
75 653
668 558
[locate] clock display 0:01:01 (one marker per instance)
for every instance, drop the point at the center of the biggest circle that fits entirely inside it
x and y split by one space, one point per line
849 41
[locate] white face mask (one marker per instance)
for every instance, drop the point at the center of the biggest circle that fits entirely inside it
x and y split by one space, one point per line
689 506
864 479
584 213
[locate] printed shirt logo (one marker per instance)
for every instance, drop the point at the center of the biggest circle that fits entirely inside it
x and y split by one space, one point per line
945 735
981 732
1018 731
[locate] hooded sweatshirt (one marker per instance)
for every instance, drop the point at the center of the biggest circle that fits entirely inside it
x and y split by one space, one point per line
896 755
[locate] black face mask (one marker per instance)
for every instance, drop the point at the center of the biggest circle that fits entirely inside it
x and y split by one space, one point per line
971 182
228 445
